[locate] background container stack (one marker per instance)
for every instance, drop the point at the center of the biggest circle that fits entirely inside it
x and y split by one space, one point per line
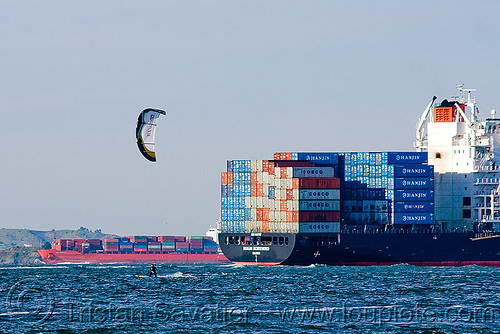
209 245
167 243
112 245
126 246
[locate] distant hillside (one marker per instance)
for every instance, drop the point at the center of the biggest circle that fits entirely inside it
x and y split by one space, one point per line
29 238
20 256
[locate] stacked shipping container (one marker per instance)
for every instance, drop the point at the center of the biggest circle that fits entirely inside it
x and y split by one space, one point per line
296 190
264 196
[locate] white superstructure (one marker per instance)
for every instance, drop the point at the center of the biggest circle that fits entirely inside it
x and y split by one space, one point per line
465 152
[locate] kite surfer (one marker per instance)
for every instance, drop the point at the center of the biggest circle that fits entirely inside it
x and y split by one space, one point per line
152 270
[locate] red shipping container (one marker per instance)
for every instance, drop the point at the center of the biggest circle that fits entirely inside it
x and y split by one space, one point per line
319 183
289 194
319 216
181 239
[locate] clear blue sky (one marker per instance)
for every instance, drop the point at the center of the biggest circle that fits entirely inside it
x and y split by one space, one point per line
239 80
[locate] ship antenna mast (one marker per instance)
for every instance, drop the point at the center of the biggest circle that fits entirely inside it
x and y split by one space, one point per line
469 101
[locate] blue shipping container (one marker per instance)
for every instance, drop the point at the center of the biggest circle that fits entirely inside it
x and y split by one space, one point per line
414 207
319 227
313 172
414 195
402 158
413 218
414 171
414 183
320 158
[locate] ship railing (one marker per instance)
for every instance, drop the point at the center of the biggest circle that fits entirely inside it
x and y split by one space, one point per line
487 181
493 168
480 193
491 218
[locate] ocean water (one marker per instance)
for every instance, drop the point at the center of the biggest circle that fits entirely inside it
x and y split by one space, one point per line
249 299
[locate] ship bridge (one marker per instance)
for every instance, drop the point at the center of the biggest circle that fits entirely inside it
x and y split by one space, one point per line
465 152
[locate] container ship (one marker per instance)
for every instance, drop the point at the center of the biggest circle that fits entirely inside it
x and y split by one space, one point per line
437 205
134 249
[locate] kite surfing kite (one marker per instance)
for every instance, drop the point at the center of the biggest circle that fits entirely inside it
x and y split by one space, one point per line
145 132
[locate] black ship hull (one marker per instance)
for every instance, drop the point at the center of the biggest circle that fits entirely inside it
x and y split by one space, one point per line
423 249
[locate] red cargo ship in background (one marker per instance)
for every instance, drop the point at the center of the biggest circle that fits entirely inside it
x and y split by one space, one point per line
134 249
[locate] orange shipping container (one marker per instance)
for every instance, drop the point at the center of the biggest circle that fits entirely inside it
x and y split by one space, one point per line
265 215
283 205
253 177
259 214
260 190
283 173
265 227
253 190
223 178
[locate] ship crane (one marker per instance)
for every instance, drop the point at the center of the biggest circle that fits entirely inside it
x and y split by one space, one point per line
419 144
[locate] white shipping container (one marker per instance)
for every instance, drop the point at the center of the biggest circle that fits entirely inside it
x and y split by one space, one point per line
271 215
260 204
282 216
260 177
283 183
289 172
292 205
289 183
265 190
248 202
270 180
253 214
283 194
283 227
277 183
265 177
277 173
295 194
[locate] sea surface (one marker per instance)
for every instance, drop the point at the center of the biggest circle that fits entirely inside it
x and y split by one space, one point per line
194 298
